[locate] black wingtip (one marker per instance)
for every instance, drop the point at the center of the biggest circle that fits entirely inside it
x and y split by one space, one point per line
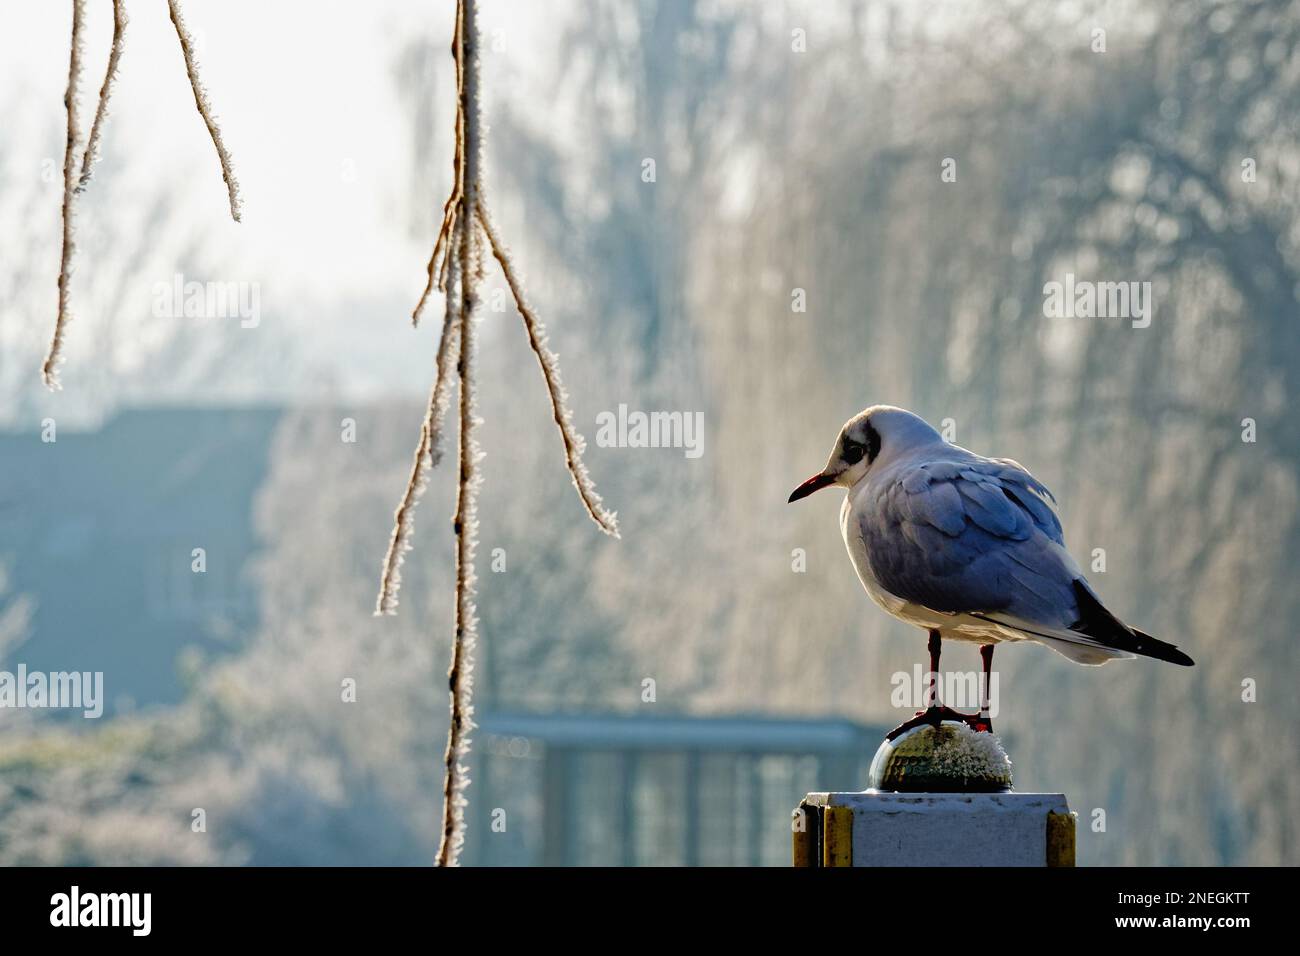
1099 624
1160 650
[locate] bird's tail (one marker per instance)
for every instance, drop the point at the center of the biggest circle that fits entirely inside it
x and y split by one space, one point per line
1099 624
1096 637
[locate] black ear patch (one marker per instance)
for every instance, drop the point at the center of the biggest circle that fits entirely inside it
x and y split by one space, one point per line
873 442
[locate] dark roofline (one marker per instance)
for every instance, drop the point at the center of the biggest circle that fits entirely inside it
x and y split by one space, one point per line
736 732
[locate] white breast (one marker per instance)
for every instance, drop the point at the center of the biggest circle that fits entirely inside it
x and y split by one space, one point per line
851 529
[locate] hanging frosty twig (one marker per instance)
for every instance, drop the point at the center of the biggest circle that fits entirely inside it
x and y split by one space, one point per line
546 360
50 369
110 76
440 261
205 108
460 675
456 268
427 455
74 184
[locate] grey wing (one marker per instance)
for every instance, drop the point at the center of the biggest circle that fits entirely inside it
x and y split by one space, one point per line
970 536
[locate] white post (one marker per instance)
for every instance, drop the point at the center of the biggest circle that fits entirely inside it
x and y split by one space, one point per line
880 828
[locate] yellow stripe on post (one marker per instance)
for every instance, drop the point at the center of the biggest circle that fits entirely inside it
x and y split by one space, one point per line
1060 839
837 836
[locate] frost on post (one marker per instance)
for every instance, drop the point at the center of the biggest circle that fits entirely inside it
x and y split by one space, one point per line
455 269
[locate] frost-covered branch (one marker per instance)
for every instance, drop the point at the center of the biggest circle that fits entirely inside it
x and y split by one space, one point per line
574 445
456 268
427 455
105 92
50 369
460 675
205 108
440 261
74 183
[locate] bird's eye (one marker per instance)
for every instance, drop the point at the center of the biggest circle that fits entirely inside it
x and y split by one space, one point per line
853 452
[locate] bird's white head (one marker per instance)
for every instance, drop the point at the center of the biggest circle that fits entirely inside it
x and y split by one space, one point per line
878 434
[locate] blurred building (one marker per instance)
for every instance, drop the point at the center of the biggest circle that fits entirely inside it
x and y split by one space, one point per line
607 790
100 530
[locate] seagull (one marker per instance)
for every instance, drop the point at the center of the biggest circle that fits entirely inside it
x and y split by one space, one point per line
968 548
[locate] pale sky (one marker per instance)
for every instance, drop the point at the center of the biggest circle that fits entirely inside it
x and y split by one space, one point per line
306 96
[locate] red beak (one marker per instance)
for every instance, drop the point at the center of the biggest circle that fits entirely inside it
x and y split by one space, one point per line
815 483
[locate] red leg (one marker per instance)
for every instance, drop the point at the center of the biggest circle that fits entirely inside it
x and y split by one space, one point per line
935 713
984 722
932 697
